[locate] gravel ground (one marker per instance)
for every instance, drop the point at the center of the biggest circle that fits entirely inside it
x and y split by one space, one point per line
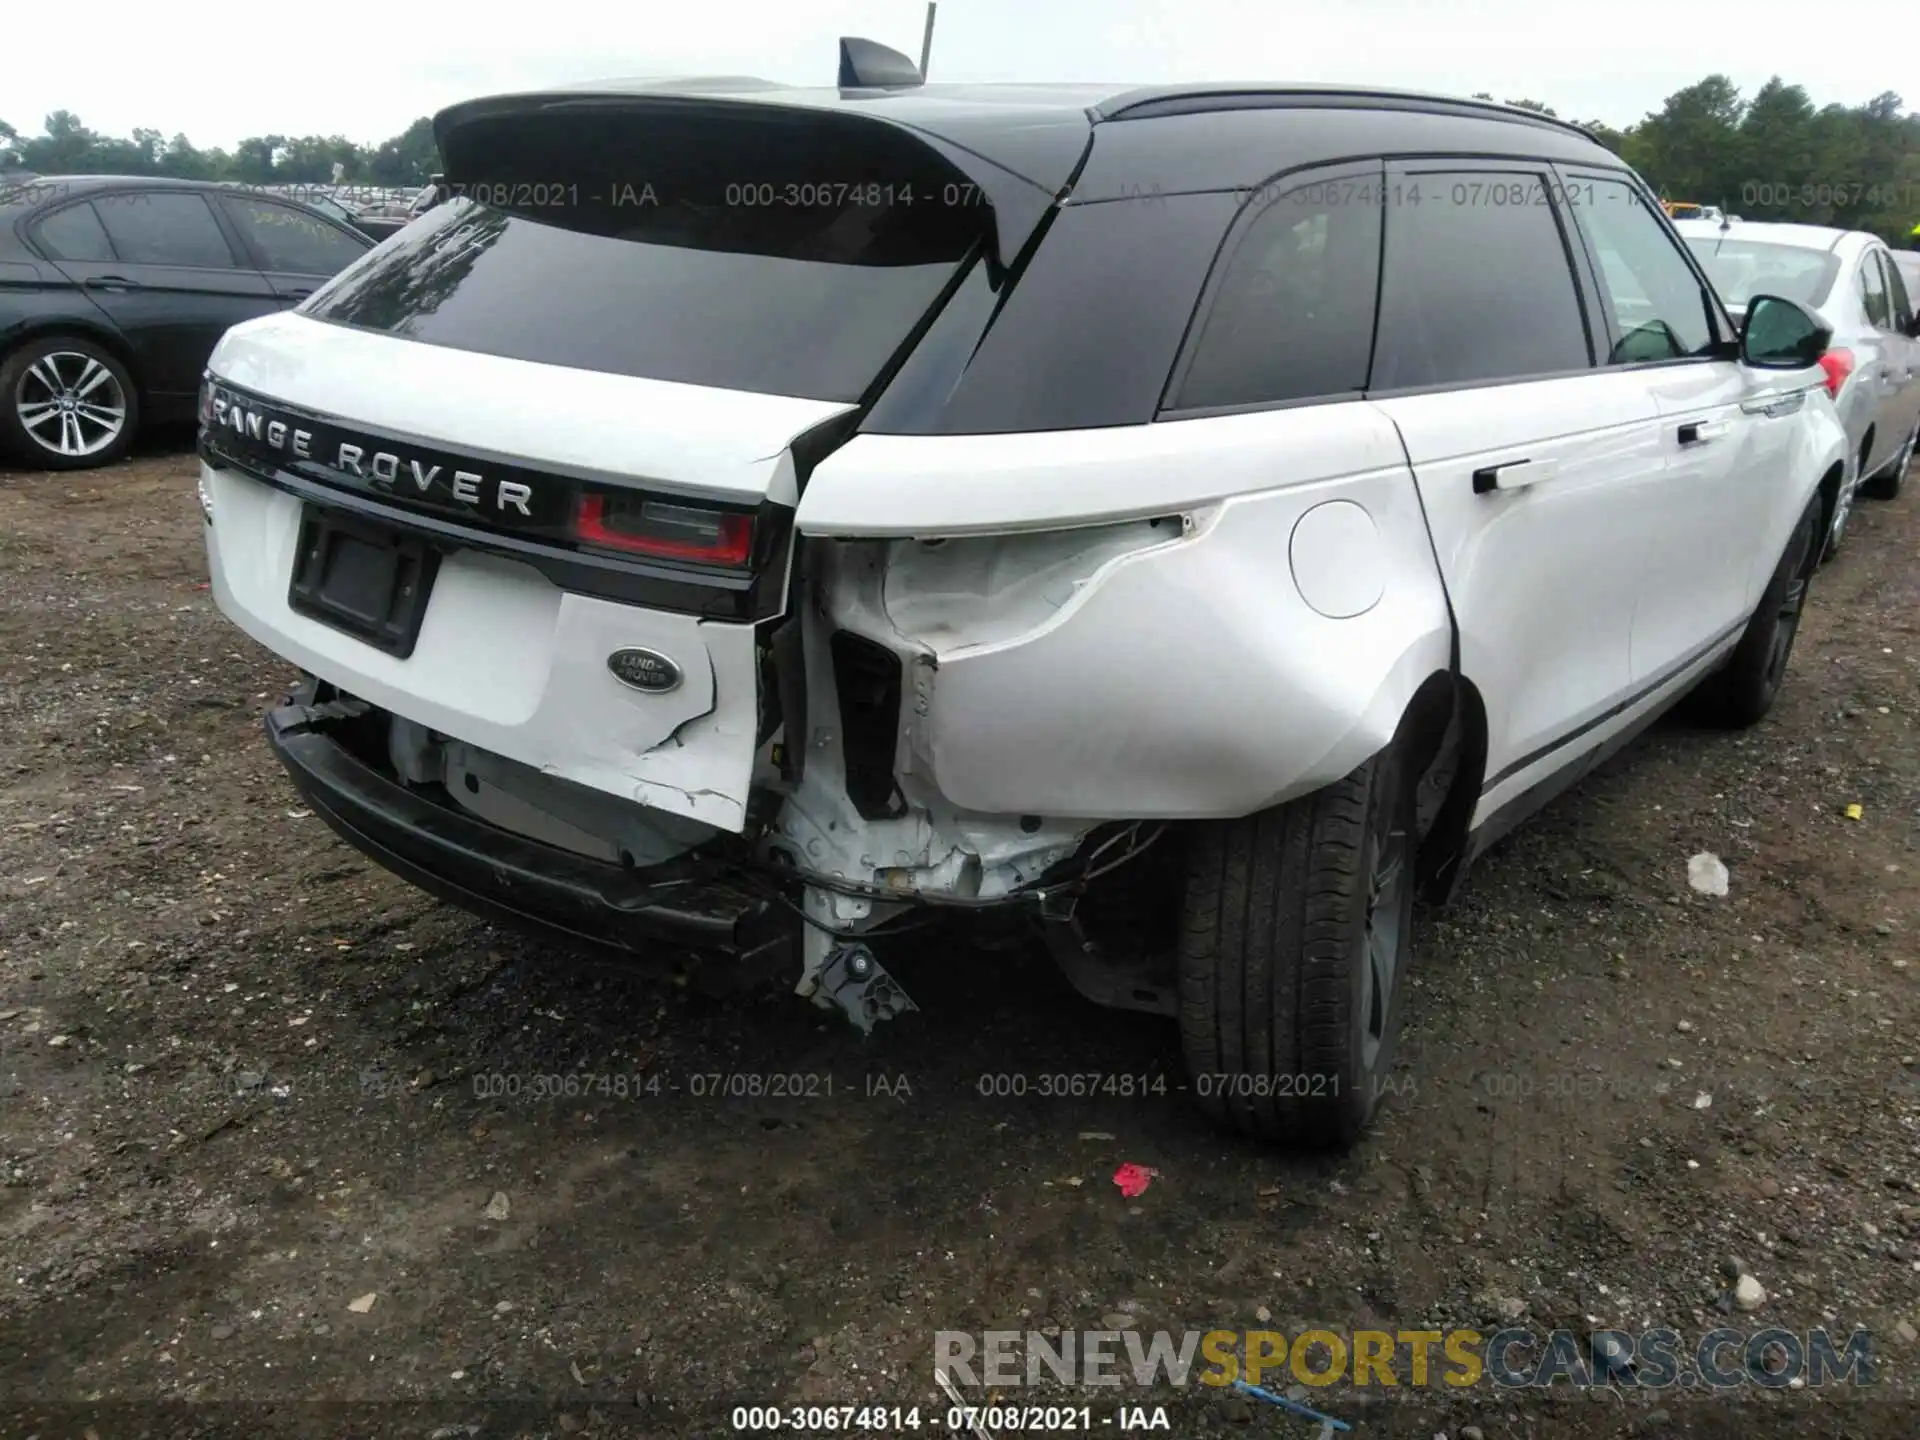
248 1080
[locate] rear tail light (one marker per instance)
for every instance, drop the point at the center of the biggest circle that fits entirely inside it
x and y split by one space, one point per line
664 529
1839 365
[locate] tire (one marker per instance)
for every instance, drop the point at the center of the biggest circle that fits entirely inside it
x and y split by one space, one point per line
1886 485
66 404
1743 690
1296 936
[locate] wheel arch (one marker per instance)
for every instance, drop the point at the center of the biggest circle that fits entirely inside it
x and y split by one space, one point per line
1832 480
95 332
1445 727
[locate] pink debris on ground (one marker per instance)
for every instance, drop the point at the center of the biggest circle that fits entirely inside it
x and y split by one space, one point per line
1133 1179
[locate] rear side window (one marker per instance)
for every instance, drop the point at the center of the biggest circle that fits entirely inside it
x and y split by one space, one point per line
1478 286
788 254
1086 337
292 241
161 228
1292 315
74 233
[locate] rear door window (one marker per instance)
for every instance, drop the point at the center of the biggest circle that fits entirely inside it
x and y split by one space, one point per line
1291 315
74 233
290 241
151 227
1478 283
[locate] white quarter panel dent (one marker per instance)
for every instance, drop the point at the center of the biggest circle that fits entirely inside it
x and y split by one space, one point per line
1176 675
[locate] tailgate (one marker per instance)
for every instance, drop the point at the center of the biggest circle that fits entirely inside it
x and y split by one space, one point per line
570 423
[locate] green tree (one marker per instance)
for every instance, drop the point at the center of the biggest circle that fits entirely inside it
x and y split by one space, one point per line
65 148
253 159
1613 139
1776 149
1689 148
186 163
410 158
309 160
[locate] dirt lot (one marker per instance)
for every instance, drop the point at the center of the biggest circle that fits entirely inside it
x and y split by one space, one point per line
242 1079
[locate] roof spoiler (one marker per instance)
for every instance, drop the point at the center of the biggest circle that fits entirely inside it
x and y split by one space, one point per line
494 146
869 65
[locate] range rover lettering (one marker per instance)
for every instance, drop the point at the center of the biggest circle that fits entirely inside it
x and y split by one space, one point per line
1184 517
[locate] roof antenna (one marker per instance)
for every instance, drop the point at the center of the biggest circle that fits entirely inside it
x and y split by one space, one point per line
869 65
926 40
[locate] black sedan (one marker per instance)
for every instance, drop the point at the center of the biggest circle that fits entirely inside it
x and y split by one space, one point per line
114 289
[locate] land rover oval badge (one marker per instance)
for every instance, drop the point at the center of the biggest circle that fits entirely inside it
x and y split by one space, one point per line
644 669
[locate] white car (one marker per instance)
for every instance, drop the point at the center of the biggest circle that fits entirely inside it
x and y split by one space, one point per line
1157 512
1873 362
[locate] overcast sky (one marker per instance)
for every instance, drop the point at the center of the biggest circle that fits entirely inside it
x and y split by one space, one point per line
365 68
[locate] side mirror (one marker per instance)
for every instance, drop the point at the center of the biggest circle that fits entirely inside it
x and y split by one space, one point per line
1782 334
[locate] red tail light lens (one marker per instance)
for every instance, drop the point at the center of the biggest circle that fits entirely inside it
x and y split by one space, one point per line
664 529
1839 365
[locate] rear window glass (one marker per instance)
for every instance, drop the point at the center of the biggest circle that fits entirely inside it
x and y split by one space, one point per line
759 255
1742 269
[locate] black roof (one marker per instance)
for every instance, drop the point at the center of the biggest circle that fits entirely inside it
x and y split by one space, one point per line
1028 145
1152 100
928 105
1038 132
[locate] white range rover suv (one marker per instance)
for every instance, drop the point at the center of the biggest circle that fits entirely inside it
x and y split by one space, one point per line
744 516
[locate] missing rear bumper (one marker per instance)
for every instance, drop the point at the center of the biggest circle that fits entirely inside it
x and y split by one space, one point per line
504 876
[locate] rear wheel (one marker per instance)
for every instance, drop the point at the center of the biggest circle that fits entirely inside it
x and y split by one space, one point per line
1743 690
1886 485
1297 934
66 404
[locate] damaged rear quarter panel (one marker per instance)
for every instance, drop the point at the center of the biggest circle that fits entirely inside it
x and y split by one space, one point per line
1155 676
